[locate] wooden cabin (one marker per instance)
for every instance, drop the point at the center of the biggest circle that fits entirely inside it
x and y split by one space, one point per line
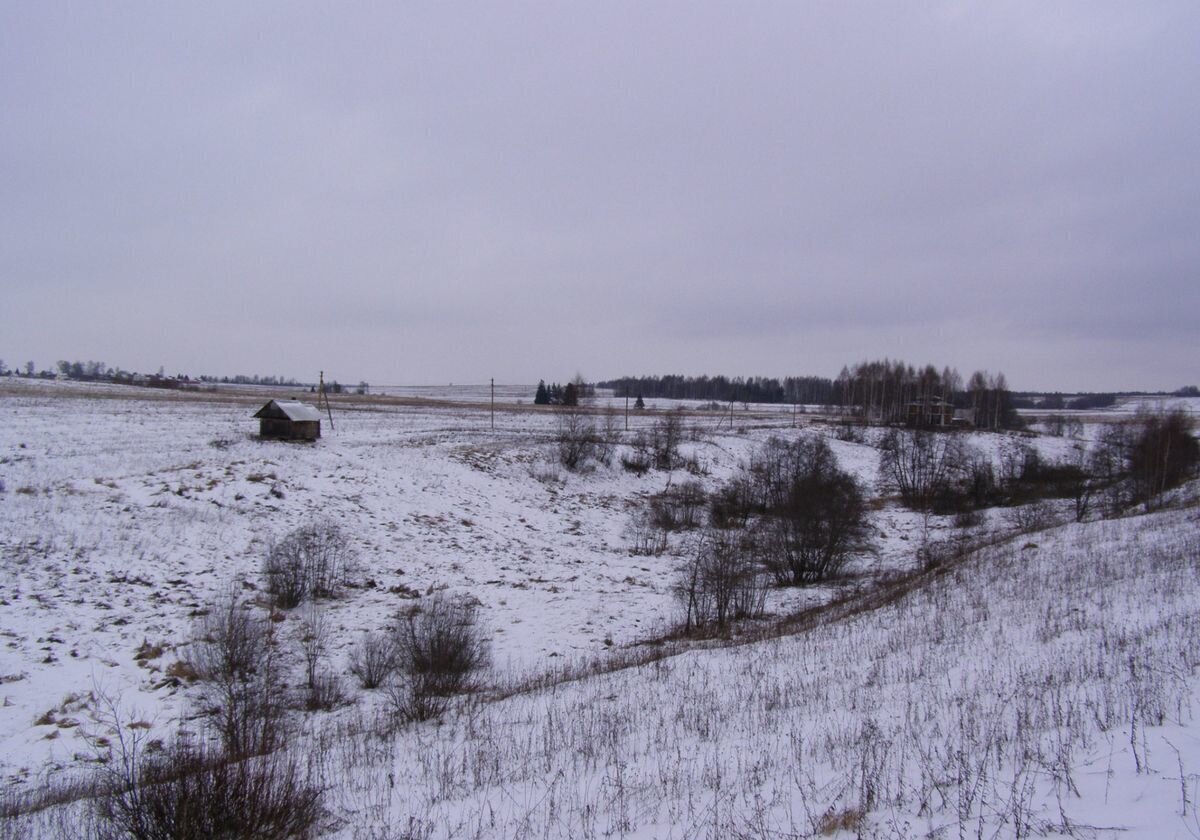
288 420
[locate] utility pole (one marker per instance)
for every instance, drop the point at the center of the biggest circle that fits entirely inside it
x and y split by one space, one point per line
627 411
321 395
493 403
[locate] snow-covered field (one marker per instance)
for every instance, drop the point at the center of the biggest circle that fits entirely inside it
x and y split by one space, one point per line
1043 685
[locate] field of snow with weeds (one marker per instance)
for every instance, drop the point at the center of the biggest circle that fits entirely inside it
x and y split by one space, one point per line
1044 687
1043 684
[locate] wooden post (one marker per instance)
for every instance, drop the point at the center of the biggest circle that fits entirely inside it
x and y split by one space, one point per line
627 411
321 395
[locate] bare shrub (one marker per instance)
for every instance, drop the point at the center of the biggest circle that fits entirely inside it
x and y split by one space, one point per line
231 641
665 437
1136 463
644 535
608 437
374 659
921 465
679 507
547 473
732 504
412 700
1035 516
234 655
639 459
656 447
192 791
312 561
441 649
576 438
979 486
849 431
1075 482
323 690
314 638
1054 425
720 582
967 519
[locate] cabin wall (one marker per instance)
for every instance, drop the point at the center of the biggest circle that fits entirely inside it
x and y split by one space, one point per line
284 429
307 429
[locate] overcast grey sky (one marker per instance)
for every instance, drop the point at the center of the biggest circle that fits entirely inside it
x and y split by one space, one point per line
426 193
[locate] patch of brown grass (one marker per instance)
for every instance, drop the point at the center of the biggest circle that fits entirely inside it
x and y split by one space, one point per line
847 820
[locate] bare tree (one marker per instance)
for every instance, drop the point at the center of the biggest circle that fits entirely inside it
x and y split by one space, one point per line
921 465
821 520
1107 464
1078 484
806 515
1163 454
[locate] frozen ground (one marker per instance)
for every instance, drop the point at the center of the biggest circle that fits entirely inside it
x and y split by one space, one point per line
123 515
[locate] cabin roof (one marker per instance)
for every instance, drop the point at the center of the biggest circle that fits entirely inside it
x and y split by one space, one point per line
293 410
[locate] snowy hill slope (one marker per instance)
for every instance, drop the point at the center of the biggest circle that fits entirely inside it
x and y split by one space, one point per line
1045 685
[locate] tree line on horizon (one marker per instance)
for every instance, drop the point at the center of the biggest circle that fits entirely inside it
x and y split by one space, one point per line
94 371
879 391
808 390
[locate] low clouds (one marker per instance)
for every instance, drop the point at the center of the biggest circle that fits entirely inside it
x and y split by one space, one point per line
528 190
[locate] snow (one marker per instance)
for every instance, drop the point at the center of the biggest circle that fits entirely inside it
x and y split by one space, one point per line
1045 683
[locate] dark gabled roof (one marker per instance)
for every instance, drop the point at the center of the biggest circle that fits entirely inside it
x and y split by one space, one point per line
291 409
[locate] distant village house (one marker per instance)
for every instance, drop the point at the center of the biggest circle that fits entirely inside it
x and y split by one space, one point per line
926 412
